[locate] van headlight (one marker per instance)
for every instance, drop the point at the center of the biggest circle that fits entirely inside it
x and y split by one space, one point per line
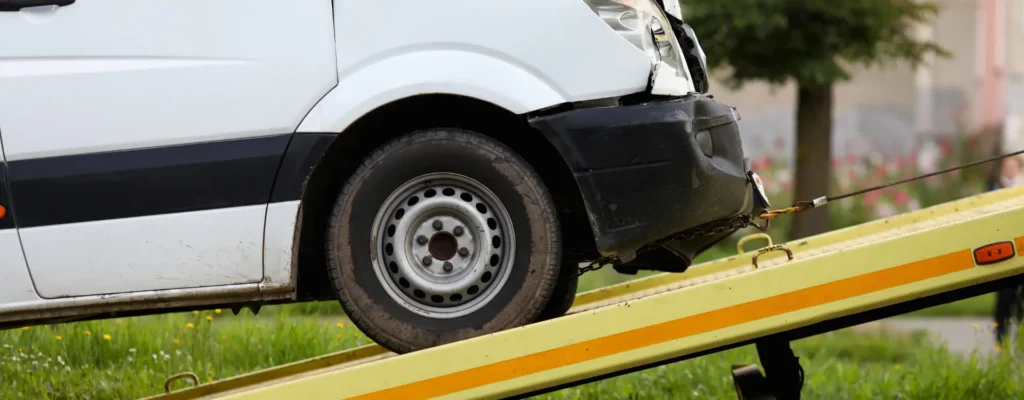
644 24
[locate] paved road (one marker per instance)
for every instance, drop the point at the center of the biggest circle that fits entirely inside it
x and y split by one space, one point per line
959 334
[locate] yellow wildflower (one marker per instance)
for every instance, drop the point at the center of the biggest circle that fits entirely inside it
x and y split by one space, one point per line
209 318
195 313
995 324
217 311
177 341
59 337
190 325
341 325
24 328
975 326
88 333
106 336
209 379
897 366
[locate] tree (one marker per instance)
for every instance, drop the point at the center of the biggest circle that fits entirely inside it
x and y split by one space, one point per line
812 43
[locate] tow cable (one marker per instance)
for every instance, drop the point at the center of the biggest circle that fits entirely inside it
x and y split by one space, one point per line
801 206
768 215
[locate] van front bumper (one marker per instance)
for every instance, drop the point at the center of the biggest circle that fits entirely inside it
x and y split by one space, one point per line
652 170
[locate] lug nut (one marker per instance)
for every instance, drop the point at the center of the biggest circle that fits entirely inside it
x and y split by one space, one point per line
463 252
438 225
421 239
427 260
457 231
447 266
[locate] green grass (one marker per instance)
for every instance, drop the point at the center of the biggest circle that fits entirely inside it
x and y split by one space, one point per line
978 306
141 352
131 357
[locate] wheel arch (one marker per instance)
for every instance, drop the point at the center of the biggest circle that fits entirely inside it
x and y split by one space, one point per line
425 111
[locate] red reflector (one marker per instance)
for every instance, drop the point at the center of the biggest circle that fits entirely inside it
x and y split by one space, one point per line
993 253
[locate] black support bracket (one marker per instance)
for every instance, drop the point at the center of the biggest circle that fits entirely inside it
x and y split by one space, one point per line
783 376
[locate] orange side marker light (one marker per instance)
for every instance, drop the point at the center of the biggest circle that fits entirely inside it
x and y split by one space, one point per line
3 212
993 253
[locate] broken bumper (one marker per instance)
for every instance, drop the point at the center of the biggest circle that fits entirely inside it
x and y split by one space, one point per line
651 170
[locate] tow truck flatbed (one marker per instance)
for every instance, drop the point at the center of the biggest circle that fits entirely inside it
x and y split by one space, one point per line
836 280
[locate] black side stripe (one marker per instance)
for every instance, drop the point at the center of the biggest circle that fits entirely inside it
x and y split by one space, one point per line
304 152
7 222
153 181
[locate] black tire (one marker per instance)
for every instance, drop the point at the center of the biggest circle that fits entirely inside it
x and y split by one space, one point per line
530 281
564 294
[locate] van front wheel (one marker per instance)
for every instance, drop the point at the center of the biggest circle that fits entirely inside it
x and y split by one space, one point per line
442 235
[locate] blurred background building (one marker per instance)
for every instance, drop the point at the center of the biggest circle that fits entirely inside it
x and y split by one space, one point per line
890 112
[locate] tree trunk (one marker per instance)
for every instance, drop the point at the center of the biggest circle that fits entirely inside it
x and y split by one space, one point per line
813 157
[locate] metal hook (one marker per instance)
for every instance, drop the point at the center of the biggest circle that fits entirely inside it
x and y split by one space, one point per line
777 247
748 238
167 383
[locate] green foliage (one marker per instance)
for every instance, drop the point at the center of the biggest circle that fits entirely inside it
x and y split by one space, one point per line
978 306
130 358
813 42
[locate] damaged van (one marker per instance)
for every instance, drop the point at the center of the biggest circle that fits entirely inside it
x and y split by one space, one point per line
441 169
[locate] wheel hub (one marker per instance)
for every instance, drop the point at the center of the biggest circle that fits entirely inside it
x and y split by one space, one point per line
444 245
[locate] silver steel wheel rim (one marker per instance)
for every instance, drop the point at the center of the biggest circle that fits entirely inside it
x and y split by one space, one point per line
443 245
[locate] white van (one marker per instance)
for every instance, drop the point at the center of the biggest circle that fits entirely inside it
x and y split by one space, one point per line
440 168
